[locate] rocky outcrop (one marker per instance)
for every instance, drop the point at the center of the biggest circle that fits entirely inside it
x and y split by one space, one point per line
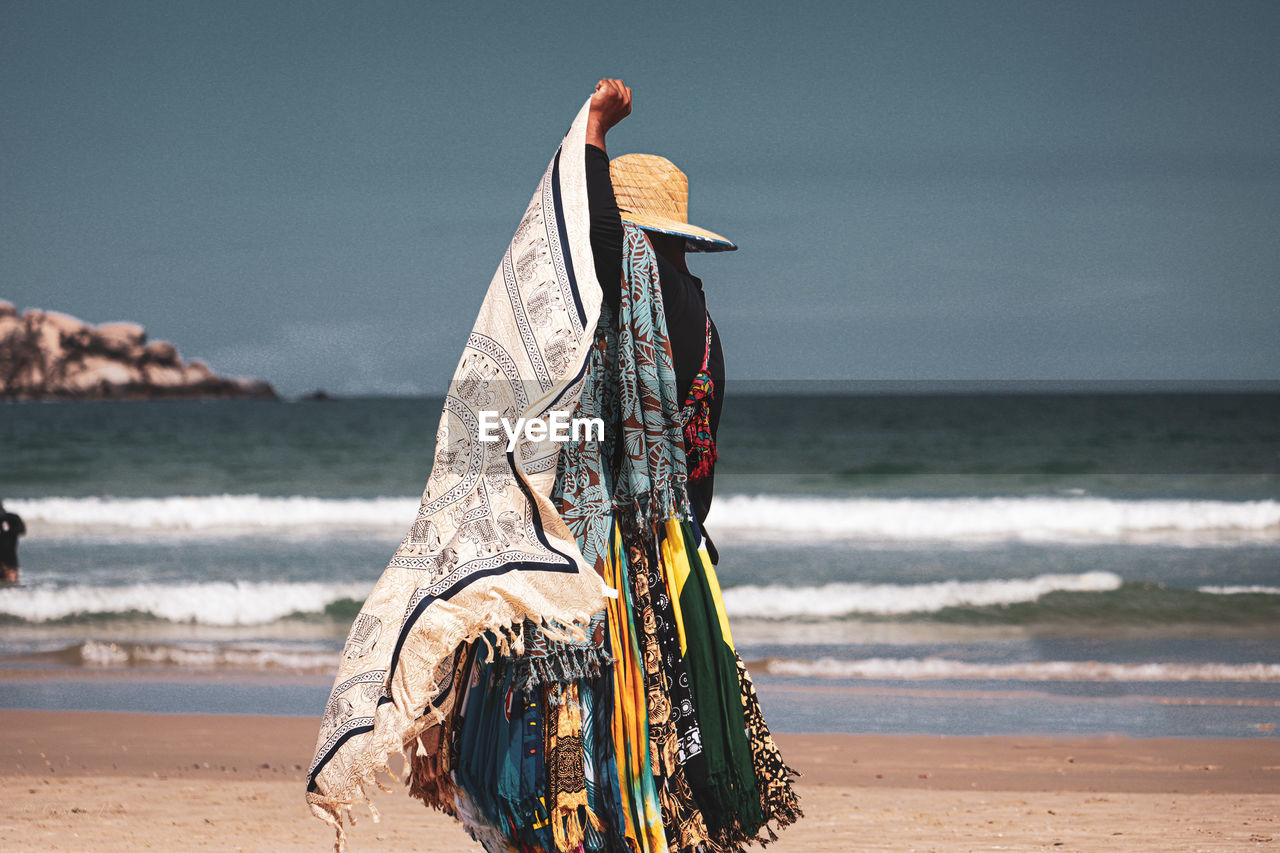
47 355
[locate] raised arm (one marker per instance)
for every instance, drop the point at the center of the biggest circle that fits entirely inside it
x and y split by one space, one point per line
610 104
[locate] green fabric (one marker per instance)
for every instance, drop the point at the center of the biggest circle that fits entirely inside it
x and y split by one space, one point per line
730 799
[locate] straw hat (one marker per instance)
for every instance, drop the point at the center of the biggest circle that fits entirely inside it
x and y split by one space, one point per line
653 194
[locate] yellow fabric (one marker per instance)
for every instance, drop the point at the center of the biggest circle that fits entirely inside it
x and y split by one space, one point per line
566 823
714 583
622 674
630 723
676 569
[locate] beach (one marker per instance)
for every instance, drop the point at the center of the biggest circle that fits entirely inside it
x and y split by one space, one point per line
113 781
974 623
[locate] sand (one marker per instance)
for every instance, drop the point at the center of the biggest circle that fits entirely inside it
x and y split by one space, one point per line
100 781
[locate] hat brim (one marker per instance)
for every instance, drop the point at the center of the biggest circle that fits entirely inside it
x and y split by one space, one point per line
696 239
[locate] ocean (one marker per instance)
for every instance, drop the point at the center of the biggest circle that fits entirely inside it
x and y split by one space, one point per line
950 563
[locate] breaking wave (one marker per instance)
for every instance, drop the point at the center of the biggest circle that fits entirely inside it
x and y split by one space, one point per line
107 655
940 668
238 603
835 600
1032 519
1091 598
216 512
1094 597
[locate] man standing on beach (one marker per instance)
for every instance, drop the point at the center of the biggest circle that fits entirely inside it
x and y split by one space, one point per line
11 527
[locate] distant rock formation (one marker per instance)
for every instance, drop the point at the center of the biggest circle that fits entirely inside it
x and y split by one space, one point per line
46 355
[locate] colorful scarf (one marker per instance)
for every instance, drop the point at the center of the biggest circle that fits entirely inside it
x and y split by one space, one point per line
644 830
673 759
546 660
719 773
730 800
695 418
488 549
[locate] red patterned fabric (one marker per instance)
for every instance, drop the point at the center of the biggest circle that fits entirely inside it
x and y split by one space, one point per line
695 417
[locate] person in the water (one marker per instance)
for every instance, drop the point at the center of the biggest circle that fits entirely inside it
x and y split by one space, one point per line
11 527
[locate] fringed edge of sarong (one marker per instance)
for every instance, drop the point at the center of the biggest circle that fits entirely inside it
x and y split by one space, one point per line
500 620
530 673
569 821
429 774
778 798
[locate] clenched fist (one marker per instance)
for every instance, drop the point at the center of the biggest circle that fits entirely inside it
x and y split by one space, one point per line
610 104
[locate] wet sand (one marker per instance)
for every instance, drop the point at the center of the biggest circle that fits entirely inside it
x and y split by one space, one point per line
112 781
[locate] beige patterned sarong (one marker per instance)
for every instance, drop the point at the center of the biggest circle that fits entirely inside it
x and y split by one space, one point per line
487 549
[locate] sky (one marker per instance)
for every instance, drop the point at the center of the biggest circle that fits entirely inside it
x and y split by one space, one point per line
318 193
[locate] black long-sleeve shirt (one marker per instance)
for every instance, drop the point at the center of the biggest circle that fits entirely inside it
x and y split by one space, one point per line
11 527
683 302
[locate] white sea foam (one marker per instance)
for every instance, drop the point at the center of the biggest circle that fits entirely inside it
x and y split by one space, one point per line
210 603
1032 519
260 603
94 653
216 513
1240 590
1035 519
849 599
940 668
99 654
